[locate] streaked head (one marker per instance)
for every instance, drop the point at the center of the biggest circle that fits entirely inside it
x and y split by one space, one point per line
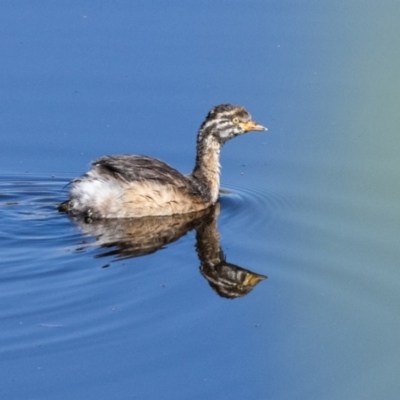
227 121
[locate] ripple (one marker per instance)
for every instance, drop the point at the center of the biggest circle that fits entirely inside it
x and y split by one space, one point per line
53 287
251 205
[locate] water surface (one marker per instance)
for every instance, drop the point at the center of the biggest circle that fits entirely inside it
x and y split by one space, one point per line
312 204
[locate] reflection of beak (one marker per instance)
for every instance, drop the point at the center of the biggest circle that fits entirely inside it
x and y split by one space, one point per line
252 126
252 279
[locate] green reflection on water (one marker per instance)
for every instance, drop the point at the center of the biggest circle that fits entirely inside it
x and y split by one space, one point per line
337 285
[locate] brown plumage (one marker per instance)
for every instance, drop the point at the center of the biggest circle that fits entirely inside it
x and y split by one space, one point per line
127 186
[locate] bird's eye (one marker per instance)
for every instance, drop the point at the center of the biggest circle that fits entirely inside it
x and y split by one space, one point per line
235 120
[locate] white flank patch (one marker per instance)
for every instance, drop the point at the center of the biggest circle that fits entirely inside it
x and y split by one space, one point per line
96 192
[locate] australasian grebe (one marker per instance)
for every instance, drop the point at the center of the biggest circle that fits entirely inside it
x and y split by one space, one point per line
126 186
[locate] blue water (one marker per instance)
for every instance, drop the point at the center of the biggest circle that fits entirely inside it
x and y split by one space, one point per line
312 204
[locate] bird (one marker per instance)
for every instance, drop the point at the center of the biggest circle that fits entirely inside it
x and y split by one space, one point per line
130 186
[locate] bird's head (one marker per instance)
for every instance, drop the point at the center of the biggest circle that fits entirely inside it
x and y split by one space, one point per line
227 121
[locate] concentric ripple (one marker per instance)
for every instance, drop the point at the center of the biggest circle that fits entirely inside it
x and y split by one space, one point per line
250 206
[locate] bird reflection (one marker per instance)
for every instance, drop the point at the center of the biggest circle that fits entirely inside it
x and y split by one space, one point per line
126 238
228 280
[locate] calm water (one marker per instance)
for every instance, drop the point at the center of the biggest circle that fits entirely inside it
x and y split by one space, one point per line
186 312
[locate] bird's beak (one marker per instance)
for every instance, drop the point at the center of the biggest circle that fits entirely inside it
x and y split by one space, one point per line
252 126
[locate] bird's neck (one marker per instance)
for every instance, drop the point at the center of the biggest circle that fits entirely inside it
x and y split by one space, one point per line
207 168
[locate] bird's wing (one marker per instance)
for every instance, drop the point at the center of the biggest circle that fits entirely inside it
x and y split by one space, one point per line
131 168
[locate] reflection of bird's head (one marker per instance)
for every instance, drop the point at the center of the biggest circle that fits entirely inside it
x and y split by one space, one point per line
229 280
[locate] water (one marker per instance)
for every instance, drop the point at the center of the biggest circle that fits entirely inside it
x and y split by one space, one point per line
312 204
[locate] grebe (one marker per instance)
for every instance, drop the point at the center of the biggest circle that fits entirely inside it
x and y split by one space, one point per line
126 186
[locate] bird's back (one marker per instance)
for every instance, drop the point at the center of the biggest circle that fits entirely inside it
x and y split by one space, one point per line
134 186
